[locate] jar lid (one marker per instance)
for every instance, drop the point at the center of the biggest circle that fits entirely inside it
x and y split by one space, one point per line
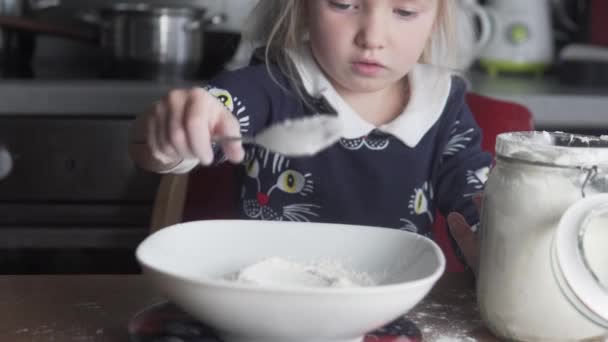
580 257
554 148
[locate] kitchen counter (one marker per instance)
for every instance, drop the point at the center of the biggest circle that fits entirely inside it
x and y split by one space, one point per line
553 105
98 308
79 97
70 307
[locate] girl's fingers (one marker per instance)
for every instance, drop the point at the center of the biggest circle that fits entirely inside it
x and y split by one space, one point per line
477 200
163 145
185 122
175 106
152 141
465 238
228 125
198 125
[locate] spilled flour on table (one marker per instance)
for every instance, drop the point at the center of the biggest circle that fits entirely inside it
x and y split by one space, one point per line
455 339
447 323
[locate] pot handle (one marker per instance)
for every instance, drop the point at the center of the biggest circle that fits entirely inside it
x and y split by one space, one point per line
44 4
93 18
196 25
579 257
37 26
6 161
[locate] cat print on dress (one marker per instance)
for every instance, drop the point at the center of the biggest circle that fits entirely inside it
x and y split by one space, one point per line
283 199
477 179
236 107
420 201
233 104
408 225
459 139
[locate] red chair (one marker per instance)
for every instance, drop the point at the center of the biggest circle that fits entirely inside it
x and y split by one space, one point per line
210 193
494 117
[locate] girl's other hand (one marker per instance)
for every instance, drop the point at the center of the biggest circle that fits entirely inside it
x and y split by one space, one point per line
181 126
465 237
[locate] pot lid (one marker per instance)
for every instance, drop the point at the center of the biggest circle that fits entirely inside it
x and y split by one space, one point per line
580 257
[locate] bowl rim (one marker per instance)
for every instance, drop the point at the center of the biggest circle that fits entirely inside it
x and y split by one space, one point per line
216 283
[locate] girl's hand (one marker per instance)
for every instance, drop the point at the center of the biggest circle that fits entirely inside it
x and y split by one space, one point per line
181 126
465 237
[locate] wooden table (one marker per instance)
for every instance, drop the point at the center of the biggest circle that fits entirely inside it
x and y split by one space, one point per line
98 307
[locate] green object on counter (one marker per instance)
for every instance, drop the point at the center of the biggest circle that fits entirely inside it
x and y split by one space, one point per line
495 67
519 34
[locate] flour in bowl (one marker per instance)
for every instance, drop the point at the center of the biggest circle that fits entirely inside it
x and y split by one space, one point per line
277 271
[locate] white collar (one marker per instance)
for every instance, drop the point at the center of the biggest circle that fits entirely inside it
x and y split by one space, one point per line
429 87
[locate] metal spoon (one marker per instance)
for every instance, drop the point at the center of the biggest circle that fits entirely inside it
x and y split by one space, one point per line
294 138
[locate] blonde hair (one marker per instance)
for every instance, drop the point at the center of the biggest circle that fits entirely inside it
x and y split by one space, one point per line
281 25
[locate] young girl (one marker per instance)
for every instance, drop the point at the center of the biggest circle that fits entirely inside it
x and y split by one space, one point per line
410 144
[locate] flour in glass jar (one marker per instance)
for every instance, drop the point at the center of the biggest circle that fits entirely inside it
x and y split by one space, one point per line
537 177
276 271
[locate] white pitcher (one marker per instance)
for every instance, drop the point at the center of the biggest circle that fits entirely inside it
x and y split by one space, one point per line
522 37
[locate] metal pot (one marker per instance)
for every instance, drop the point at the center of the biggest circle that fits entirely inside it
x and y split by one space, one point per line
139 41
10 7
163 43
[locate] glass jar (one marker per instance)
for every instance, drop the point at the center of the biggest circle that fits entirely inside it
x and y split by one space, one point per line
544 238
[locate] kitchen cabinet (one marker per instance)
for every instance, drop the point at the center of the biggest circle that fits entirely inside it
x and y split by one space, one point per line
73 201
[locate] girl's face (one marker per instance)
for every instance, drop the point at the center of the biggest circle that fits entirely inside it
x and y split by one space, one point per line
368 45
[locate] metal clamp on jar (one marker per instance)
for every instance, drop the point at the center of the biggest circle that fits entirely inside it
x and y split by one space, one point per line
544 236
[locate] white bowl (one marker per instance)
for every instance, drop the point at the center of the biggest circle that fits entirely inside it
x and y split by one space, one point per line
188 262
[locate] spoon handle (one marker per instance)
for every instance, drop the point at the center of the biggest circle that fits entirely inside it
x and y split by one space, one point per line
226 138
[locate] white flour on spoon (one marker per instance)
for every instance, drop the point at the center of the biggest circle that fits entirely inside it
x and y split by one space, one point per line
301 137
275 271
